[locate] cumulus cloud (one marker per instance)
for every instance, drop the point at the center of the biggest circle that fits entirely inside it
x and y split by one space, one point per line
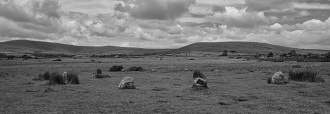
10 29
234 17
155 9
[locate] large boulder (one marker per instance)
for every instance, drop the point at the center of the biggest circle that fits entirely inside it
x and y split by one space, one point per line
277 78
127 83
200 83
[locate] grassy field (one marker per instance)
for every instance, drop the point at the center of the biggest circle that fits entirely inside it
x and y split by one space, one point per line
238 86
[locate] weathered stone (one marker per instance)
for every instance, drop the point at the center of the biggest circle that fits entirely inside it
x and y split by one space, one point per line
127 83
278 78
200 83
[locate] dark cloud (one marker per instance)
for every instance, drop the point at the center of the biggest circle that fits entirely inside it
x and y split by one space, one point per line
264 5
121 8
155 9
216 8
314 1
49 7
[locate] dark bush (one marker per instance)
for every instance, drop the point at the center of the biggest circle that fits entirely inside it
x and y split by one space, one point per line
56 78
44 76
98 71
116 68
72 78
198 74
305 76
134 68
57 60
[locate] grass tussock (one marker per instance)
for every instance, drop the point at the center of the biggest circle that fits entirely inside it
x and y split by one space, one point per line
72 78
305 76
269 80
56 79
43 76
198 74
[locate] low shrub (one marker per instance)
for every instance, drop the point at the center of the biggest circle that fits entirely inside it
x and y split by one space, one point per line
134 68
56 78
198 74
44 76
116 68
305 76
72 78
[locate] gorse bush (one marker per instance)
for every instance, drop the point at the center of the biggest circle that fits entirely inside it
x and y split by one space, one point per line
134 68
56 78
198 74
305 76
116 68
72 78
44 76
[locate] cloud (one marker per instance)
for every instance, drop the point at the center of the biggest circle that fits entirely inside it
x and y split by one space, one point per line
36 12
238 18
264 5
10 29
155 9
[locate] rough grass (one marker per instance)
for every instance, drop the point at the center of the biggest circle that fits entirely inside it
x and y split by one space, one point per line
56 78
72 78
198 74
305 76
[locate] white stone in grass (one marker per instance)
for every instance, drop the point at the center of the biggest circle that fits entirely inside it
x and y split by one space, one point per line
127 83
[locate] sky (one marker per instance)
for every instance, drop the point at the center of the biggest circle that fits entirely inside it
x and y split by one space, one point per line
167 23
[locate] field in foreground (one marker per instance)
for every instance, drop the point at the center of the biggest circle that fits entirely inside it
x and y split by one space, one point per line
236 87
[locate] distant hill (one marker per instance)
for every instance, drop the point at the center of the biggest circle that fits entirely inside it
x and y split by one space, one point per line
26 46
241 47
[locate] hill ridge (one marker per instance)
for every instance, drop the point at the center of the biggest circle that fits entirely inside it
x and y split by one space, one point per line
28 46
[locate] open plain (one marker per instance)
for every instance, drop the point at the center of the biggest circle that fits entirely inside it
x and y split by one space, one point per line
235 86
